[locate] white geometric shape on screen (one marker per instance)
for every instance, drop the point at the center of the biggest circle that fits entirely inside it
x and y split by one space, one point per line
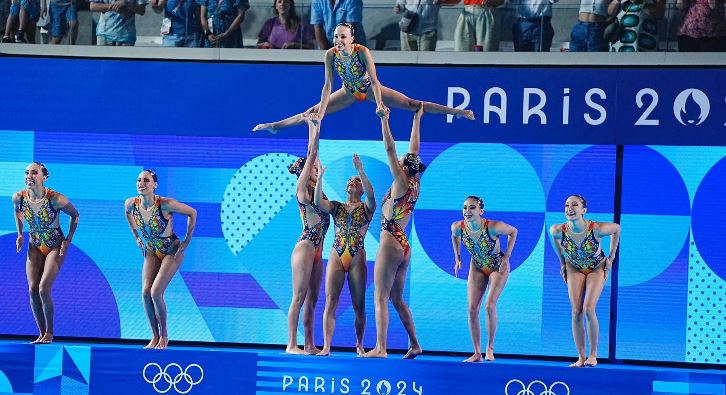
706 323
256 194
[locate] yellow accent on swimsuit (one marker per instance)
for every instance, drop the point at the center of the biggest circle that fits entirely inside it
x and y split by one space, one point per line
586 256
402 206
314 233
153 230
352 72
482 249
348 238
45 233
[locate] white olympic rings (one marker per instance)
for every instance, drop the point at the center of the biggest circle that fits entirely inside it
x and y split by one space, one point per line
170 382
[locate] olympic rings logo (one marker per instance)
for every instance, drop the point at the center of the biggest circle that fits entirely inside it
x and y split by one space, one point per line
528 390
172 376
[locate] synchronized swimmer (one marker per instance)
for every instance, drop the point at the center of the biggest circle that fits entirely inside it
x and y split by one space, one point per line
356 68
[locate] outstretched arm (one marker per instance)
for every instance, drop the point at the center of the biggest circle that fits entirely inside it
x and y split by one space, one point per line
367 186
319 200
174 206
327 86
367 58
456 244
556 237
128 210
502 228
63 204
310 161
17 203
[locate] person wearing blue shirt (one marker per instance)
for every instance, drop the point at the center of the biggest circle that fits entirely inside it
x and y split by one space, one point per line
119 20
325 15
179 27
221 20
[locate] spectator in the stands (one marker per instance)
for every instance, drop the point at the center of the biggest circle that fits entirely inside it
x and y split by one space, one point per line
587 34
285 29
180 26
477 28
24 15
221 21
420 33
532 30
325 15
703 27
119 20
63 16
638 24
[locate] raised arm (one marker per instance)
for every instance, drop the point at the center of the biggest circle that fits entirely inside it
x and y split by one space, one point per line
613 230
128 211
310 161
456 244
18 213
367 59
390 146
327 86
504 229
556 237
414 144
367 186
319 200
175 206
63 204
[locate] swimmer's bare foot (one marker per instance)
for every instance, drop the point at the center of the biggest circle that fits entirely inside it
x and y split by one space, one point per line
46 339
413 352
580 363
476 357
490 354
360 350
311 349
152 344
36 341
377 352
468 114
296 351
591 361
266 126
163 343
324 352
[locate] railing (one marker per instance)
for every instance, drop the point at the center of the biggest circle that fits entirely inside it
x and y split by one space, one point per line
379 21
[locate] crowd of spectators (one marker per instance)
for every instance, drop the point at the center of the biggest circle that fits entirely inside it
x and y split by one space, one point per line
601 25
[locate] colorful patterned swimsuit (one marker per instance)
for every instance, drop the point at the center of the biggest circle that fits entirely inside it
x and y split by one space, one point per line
587 256
315 233
482 249
352 72
402 206
153 230
45 233
348 238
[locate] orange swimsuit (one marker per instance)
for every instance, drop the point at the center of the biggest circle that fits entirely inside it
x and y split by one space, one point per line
348 238
402 206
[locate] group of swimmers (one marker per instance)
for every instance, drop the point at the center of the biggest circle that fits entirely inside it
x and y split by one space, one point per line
584 266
